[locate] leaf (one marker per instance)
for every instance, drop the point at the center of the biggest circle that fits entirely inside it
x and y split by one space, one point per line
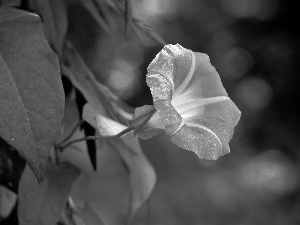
54 14
42 204
135 23
148 31
15 3
7 201
106 126
77 152
89 216
104 190
88 129
80 102
103 101
98 95
91 144
94 10
141 173
31 92
128 15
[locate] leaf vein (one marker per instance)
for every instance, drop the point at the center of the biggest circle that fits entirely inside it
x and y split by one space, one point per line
45 81
17 91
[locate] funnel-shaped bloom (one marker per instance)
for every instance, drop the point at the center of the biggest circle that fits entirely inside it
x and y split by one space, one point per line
190 101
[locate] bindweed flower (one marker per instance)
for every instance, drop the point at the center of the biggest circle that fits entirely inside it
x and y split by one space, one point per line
191 103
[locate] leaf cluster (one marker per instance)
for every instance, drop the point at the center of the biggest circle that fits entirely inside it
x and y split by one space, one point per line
36 56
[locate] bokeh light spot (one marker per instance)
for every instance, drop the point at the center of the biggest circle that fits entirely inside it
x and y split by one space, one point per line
154 8
254 92
235 63
123 78
269 173
259 9
222 41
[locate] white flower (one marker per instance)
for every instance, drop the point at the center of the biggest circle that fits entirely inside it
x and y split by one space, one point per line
191 103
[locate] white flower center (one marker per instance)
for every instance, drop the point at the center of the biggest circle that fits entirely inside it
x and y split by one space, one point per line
189 107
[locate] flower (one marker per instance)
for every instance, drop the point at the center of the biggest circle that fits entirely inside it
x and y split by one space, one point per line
191 103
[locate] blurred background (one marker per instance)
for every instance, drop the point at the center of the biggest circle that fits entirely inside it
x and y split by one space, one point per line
254 45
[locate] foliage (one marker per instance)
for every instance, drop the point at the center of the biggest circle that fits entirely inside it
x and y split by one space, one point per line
47 199
32 102
32 98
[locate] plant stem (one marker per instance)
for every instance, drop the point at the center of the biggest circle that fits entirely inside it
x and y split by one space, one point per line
127 130
71 133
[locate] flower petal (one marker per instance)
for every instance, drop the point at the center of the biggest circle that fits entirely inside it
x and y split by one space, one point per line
203 87
201 141
161 91
216 125
173 62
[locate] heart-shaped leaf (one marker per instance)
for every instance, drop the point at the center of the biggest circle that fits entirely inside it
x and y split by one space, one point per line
42 204
141 173
54 14
31 91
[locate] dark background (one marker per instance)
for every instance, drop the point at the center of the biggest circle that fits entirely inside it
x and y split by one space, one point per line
255 48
